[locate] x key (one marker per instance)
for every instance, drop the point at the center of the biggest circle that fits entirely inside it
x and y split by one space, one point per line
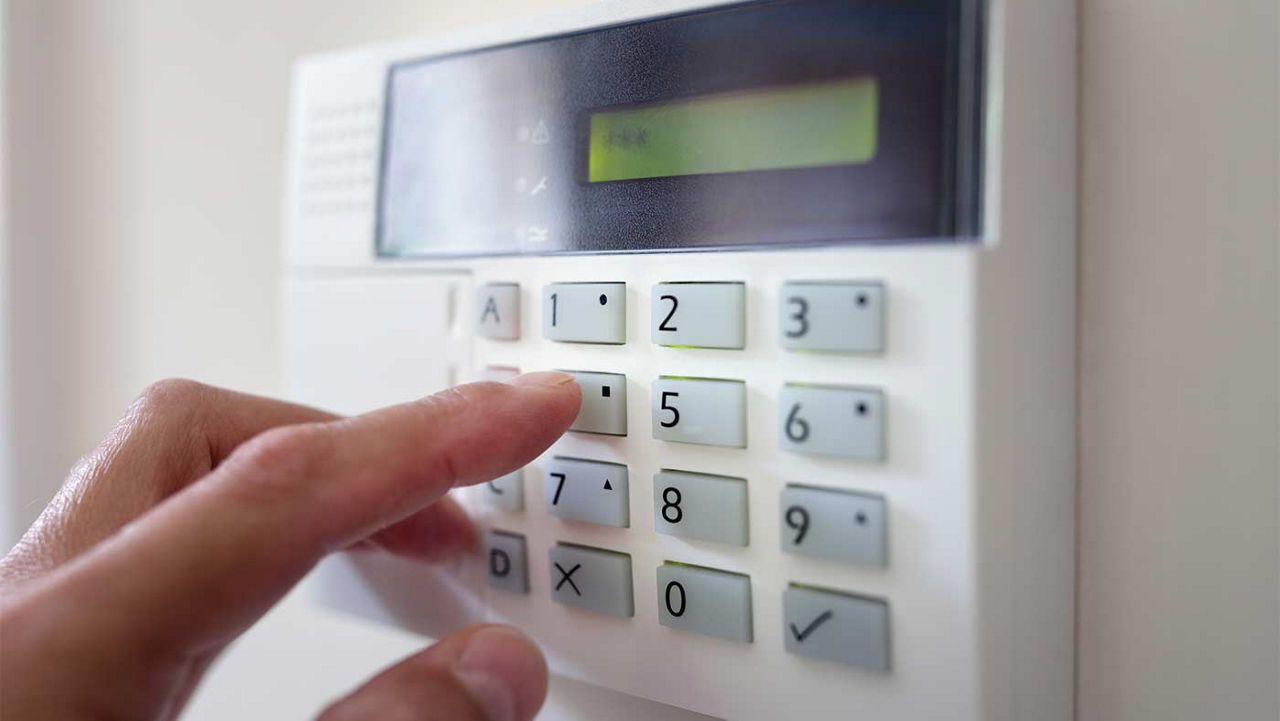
593 579
567 577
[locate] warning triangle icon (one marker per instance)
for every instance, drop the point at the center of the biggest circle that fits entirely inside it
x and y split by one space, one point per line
607 486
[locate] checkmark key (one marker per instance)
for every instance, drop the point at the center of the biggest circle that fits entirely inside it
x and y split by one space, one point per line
856 631
813 625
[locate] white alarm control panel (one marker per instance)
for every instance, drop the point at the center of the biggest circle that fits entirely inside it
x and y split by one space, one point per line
812 263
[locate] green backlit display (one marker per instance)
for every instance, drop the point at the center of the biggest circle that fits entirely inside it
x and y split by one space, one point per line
832 123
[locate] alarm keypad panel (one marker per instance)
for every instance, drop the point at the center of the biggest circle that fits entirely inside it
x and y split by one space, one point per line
708 419
824 341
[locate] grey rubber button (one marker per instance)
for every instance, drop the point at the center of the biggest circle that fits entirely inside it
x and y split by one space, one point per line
604 403
592 578
837 525
506 562
832 421
699 315
585 312
588 491
701 507
832 316
700 410
498 311
836 626
704 600
505 493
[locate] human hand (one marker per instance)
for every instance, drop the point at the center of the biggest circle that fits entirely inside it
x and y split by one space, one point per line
203 507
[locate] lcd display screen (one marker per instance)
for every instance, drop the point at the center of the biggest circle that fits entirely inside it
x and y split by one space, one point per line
785 122
796 127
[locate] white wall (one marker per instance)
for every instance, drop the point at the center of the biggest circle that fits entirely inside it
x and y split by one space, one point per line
144 150
1180 201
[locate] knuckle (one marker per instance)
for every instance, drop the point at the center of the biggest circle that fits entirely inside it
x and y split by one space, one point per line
286 448
173 393
173 402
273 463
166 421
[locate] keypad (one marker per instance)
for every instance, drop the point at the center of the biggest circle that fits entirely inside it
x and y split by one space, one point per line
845 422
837 525
847 316
585 312
701 507
506 561
592 578
707 411
831 421
499 311
705 601
588 491
699 315
505 493
836 626
604 403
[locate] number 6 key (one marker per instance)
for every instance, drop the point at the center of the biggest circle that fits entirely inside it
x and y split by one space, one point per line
832 421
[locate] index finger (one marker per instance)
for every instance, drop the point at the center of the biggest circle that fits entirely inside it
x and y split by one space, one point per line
209 561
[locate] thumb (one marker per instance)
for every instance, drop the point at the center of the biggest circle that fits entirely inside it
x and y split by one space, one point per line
487 673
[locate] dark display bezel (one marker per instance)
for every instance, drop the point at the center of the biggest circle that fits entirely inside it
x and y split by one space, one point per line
646 215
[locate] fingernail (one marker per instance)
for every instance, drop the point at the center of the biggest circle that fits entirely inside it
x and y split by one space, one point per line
542 378
504 672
